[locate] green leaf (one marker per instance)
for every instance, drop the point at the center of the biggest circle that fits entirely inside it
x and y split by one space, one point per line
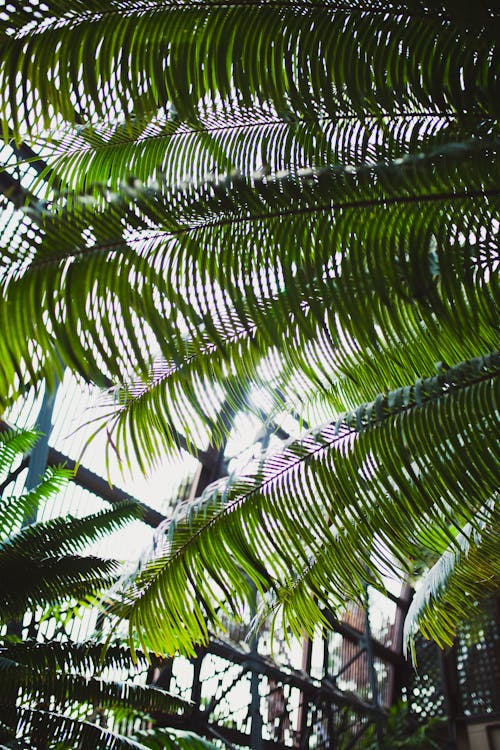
314 522
465 573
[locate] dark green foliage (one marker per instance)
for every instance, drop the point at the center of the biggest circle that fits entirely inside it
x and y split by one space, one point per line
39 566
298 198
303 58
340 504
51 692
400 732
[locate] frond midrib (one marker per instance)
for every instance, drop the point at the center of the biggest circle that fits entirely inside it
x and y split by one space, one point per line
375 420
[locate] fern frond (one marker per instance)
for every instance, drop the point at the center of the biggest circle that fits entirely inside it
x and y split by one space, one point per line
29 583
173 150
336 236
391 233
67 535
40 725
133 59
12 443
14 509
354 493
466 573
88 658
65 691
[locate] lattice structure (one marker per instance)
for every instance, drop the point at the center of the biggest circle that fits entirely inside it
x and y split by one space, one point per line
248 700
248 697
244 692
349 659
426 694
463 682
478 662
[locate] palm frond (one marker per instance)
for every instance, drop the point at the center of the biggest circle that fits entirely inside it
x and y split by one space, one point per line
467 572
173 150
335 239
38 570
70 732
38 563
422 281
12 443
14 509
40 725
67 690
352 495
89 657
135 60
66 534
30 583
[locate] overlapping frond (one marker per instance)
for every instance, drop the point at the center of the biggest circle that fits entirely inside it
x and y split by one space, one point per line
318 218
67 690
13 443
467 572
13 510
89 657
372 130
30 583
62 675
49 691
289 256
38 564
40 724
250 142
330 512
132 59
68 535
154 739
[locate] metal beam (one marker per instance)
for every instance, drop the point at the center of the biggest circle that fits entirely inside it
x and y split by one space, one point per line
86 479
357 636
100 487
291 677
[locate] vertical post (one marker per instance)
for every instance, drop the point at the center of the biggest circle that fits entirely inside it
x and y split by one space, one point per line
302 714
399 676
38 457
196 686
456 728
36 468
256 723
372 675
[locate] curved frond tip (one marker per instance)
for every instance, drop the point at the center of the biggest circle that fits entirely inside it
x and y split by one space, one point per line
464 575
315 521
